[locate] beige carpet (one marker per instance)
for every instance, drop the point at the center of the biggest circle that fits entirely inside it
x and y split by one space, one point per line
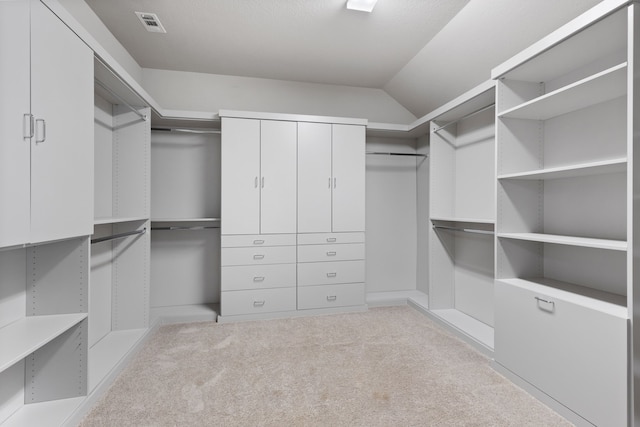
385 367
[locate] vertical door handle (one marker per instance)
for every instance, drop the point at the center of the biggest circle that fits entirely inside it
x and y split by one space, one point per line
329 182
334 182
262 182
27 126
255 182
44 130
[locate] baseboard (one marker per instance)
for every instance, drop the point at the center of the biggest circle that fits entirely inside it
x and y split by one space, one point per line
292 314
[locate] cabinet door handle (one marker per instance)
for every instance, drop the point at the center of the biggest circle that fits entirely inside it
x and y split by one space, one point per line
258 303
44 130
550 308
258 279
334 182
544 300
255 182
263 182
331 297
258 257
258 242
332 274
27 126
331 253
329 183
331 239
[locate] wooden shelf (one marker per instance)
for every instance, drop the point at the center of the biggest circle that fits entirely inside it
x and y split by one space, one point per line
605 302
49 413
603 86
23 337
572 171
585 242
103 221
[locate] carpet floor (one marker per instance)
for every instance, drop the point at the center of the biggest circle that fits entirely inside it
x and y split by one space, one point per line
388 366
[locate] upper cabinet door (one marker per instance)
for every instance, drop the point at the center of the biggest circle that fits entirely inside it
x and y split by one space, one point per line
14 123
240 176
349 178
314 177
278 152
62 148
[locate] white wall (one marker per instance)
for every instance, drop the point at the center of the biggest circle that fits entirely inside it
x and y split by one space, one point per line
180 90
481 36
391 240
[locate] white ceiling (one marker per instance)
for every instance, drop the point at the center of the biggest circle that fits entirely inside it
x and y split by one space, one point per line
317 41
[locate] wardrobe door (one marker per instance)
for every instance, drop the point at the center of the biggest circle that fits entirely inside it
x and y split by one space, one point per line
62 148
314 177
348 177
278 155
240 176
14 122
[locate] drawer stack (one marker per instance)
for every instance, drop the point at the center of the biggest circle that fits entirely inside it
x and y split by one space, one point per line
331 270
258 274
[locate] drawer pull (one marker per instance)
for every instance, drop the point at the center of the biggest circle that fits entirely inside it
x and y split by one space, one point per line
258 257
331 297
258 242
332 274
331 239
258 279
331 253
548 308
544 300
258 303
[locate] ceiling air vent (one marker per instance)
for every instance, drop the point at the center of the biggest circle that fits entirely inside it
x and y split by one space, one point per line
151 22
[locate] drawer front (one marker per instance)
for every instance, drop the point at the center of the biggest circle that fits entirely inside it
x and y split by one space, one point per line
575 354
329 238
257 240
320 253
258 301
240 277
326 296
325 273
253 256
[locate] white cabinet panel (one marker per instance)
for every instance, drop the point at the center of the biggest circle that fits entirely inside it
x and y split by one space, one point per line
327 296
258 240
258 301
240 176
14 104
62 149
321 273
322 253
348 178
314 177
236 278
251 256
330 238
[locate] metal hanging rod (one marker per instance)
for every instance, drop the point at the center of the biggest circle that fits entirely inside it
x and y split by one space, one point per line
118 236
186 228
125 103
384 153
466 230
473 113
183 130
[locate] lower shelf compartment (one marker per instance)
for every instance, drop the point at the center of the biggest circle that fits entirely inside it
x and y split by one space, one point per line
185 313
107 353
50 413
475 329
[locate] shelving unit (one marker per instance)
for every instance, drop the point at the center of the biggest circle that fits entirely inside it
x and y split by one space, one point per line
565 213
120 282
462 215
185 205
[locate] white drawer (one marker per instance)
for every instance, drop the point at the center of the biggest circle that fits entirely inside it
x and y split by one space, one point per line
253 256
235 278
326 296
258 301
319 253
575 354
329 238
257 240
325 273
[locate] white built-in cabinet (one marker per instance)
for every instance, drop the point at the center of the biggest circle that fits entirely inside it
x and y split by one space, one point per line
292 214
566 195
46 188
462 214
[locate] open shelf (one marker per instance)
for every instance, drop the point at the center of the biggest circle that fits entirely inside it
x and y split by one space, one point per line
185 313
605 302
23 337
586 242
572 171
600 87
178 220
466 324
465 220
110 351
55 412
102 221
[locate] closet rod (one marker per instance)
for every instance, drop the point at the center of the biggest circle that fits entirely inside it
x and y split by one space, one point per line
383 153
125 103
466 230
473 113
118 236
184 228
202 131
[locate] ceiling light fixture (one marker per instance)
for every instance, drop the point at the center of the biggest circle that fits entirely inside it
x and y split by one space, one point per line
361 5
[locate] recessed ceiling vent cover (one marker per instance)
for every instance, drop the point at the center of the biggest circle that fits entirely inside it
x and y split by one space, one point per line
151 22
